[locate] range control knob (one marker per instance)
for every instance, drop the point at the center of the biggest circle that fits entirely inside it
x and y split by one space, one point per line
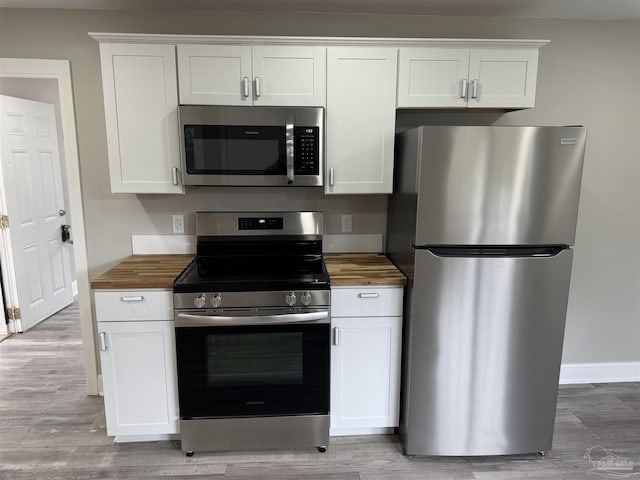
290 299
200 300
216 300
305 298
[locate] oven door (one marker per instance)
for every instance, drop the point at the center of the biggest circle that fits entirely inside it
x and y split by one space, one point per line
239 365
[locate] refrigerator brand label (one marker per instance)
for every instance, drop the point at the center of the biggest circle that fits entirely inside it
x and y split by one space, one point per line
568 141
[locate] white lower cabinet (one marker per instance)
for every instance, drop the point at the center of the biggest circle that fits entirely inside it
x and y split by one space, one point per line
137 355
365 359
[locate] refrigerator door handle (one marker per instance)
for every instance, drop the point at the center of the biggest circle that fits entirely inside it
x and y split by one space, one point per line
496 251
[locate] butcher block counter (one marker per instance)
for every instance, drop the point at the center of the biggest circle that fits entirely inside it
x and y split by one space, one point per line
160 271
361 269
143 271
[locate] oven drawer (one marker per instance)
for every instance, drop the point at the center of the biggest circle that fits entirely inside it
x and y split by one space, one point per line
366 301
133 305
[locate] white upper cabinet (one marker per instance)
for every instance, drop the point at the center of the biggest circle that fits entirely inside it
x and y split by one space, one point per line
252 75
434 77
214 74
502 78
140 103
361 109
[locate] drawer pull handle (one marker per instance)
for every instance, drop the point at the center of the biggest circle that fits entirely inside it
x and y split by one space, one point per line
129 299
369 295
336 336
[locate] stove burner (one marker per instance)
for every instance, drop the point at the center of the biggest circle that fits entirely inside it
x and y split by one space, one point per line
234 256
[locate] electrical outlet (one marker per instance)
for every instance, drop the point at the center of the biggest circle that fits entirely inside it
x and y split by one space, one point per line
178 223
347 223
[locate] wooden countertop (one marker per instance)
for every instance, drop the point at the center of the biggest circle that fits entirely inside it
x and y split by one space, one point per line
356 269
143 271
160 271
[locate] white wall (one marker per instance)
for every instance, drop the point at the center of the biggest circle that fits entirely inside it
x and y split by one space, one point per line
587 75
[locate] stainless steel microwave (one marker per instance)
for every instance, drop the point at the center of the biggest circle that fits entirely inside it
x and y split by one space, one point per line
251 146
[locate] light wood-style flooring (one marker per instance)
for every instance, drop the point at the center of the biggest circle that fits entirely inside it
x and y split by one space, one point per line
50 430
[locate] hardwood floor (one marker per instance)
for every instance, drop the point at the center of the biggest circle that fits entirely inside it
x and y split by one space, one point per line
50 430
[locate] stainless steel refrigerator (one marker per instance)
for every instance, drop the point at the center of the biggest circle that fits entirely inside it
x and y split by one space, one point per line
481 222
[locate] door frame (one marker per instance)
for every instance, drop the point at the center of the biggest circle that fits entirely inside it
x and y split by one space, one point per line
60 70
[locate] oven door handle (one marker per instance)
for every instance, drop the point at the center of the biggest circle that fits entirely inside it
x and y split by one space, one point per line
189 320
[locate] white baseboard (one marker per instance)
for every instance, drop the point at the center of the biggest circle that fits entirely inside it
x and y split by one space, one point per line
349 431
572 373
162 244
145 438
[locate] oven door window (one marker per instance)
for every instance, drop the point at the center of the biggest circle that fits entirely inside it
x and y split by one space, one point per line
234 150
253 371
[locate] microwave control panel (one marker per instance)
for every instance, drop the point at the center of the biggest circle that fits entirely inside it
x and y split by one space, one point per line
307 150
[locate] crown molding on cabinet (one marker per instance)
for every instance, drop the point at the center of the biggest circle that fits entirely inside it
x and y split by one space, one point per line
327 41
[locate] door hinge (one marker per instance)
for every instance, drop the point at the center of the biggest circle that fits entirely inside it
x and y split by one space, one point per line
13 313
4 221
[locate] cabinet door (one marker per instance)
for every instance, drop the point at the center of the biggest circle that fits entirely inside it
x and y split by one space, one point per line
361 109
506 78
140 102
139 377
214 74
365 374
432 77
289 76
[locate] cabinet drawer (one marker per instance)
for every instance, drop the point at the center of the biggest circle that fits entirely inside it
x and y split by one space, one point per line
122 305
366 301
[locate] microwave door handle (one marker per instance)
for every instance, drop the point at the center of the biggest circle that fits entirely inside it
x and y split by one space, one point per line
290 150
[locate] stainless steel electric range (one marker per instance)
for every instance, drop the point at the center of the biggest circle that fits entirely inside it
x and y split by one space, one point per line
253 333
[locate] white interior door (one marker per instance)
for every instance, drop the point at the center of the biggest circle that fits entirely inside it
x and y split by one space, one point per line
36 262
3 319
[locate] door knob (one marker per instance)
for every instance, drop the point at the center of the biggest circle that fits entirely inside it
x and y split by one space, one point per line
62 212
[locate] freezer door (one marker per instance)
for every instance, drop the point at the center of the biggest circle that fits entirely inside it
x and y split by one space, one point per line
485 342
499 185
